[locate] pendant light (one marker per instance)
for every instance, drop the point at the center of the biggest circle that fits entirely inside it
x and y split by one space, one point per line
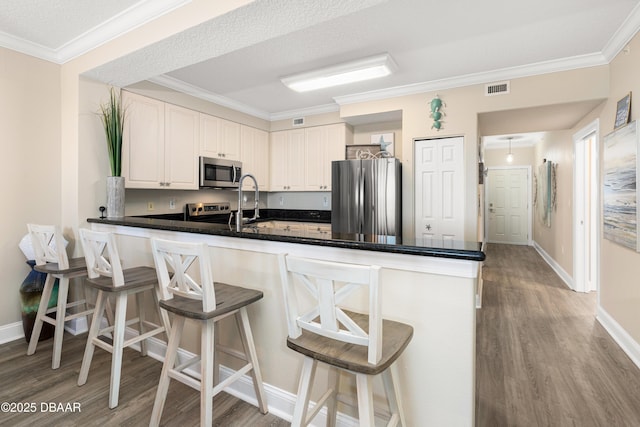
510 155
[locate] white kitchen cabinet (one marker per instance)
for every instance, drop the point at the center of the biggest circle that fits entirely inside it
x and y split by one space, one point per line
323 144
287 160
160 144
254 153
317 230
288 227
219 138
181 132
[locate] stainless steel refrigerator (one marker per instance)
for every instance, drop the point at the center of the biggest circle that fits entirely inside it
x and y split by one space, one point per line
366 199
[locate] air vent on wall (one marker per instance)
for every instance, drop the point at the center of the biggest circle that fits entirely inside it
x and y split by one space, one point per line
299 121
501 88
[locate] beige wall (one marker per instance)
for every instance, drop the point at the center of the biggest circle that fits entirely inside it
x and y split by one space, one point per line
462 108
522 156
30 123
620 266
557 240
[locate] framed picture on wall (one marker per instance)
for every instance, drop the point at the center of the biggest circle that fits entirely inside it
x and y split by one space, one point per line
620 193
623 112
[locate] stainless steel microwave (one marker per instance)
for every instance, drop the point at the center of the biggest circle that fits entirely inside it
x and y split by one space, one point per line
219 173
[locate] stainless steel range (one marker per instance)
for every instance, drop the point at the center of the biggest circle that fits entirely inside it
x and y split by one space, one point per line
208 212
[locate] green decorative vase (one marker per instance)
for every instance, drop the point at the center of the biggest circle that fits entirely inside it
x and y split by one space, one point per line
30 295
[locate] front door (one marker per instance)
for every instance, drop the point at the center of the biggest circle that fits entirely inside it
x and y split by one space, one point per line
507 206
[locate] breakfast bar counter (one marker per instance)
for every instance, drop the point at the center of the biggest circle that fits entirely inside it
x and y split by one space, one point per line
452 249
434 289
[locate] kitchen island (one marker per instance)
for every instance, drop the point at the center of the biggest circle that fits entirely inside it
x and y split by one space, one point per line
431 288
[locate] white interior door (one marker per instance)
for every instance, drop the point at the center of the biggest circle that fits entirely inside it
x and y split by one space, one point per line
439 192
507 205
586 211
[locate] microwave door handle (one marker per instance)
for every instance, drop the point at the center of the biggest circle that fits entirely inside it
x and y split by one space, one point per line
235 174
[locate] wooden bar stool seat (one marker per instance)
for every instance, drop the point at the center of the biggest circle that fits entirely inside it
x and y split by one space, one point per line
109 279
206 302
51 258
323 330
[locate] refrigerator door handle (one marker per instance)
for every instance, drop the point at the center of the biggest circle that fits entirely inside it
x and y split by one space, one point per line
360 207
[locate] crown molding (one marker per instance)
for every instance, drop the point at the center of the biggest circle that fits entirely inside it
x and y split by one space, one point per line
623 35
302 112
197 92
565 64
28 48
127 20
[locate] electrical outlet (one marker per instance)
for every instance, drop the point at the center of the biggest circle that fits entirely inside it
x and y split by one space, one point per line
172 203
150 206
281 201
325 201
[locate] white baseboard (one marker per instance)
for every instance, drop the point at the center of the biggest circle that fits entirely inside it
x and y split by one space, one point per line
15 331
566 278
626 342
11 332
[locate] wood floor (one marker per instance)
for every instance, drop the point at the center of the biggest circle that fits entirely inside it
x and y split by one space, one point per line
30 379
542 360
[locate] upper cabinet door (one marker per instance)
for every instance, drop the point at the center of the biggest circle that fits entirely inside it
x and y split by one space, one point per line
181 148
209 136
254 150
295 160
160 144
324 144
287 160
143 141
316 145
230 139
219 138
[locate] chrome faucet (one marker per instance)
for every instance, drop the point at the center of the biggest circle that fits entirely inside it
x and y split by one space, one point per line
240 221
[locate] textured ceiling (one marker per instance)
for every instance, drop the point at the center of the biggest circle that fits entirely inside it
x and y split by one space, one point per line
237 59
54 23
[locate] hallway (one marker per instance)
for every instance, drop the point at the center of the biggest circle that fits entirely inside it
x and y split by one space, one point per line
542 357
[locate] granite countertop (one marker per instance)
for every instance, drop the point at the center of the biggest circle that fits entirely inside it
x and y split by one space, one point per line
453 249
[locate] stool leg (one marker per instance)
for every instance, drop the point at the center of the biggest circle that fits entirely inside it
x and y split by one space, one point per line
168 365
304 391
332 402
216 360
244 327
140 307
207 354
392 390
94 330
118 341
82 292
162 314
61 313
42 311
364 384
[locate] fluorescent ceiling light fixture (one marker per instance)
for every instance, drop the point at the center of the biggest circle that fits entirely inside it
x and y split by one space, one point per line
363 69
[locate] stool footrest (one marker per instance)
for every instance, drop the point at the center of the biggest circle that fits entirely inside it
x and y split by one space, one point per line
233 378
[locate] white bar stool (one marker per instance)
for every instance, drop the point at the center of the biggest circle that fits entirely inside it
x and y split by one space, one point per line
206 303
108 278
51 258
363 345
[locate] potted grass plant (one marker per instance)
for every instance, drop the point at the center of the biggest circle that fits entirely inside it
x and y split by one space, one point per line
112 116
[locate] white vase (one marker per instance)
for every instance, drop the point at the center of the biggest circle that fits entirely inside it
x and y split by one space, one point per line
115 197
